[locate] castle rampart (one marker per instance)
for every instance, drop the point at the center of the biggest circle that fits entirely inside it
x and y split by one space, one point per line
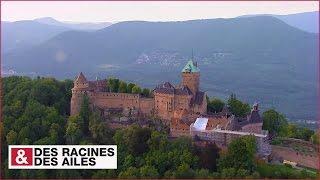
177 106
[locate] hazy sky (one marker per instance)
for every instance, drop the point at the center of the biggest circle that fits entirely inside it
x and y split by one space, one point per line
99 11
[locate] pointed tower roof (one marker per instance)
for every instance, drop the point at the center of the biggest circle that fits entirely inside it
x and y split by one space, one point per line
190 67
81 78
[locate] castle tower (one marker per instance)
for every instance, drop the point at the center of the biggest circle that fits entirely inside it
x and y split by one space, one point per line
191 76
255 107
80 86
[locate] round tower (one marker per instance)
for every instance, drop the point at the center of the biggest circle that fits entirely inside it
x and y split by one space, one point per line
191 76
80 87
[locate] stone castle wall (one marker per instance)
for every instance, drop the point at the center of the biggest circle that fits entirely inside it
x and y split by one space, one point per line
76 101
107 100
164 105
254 128
191 80
285 153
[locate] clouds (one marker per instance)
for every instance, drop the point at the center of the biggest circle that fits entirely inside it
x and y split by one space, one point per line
103 11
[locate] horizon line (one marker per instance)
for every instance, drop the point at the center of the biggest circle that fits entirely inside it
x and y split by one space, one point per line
114 22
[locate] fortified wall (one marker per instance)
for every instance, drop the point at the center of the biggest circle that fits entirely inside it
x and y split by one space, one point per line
99 97
177 106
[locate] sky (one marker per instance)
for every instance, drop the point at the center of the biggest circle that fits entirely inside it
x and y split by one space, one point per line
103 11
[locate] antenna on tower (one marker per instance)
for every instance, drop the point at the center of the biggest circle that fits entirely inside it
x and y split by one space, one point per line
192 54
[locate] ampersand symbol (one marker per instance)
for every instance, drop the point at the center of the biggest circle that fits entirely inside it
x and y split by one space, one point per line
20 159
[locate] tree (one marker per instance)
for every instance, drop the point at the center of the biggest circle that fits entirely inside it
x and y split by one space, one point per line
102 174
208 156
129 87
274 122
84 115
303 133
99 130
12 138
146 92
45 91
148 172
73 130
134 139
136 90
315 138
240 154
131 172
202 173
56 134
113 84
228 172
123 87
238 108
184 171
215 105
158 141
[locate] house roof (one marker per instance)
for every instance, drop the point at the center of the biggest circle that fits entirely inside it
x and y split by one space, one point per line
190 67
254 117
167 88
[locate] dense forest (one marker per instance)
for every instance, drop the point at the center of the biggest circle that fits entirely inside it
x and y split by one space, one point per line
36 111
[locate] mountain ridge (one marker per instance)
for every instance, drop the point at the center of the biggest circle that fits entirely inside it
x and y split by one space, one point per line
256 58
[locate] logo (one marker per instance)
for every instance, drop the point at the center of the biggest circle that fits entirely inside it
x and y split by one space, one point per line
21 156
62 157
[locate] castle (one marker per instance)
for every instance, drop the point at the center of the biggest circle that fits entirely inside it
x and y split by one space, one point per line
181 107
167 99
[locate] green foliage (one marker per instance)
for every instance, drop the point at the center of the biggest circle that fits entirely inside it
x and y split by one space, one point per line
282 171
202 173
215 105
148 172
146 92
184 171
208 156
113 84
240 154
73 130
300 132
274 122
136 90
134 139
131 172
110 173
315 138
99 130
129 87
238 108
36 110
228 172
122 87
84 115
12 137
34 113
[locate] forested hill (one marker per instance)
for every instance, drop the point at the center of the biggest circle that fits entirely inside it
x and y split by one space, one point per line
260 58
36 111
